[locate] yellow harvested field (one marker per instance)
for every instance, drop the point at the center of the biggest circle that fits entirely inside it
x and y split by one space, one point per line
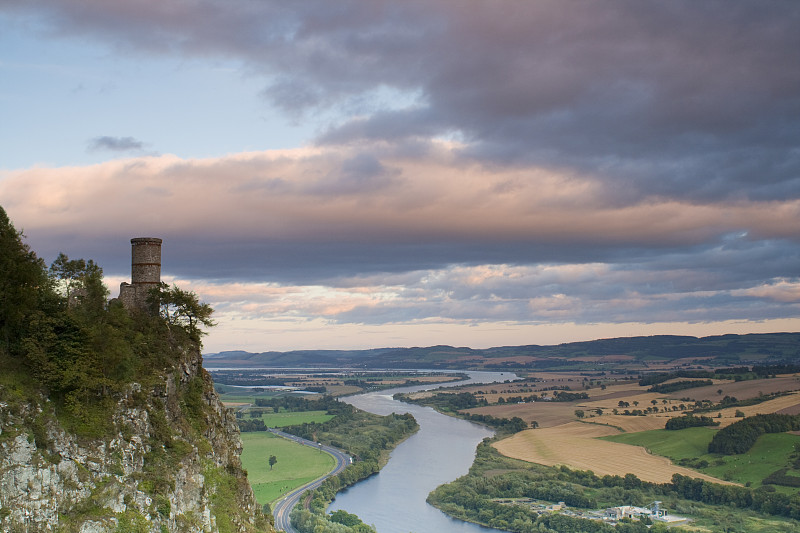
575 445
771 406
643 398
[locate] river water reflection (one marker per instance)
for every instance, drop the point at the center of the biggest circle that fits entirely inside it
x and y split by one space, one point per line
442 450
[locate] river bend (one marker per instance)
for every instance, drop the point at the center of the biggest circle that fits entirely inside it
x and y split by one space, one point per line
442 450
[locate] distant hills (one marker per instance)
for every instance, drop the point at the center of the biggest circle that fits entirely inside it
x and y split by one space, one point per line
627 352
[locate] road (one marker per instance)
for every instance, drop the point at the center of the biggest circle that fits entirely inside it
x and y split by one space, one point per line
284 507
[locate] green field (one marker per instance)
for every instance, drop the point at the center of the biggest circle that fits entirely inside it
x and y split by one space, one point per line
296 466
290 418
770 453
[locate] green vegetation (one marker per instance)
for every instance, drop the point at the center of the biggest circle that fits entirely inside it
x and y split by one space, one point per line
740 436
296 465
283 419
326 382
229 394
307 522
706 406
69 357
57 327
666 388
446 402
685 443
365 436
491 492
223 487
453 403
182 309
258 420
689 421
689 447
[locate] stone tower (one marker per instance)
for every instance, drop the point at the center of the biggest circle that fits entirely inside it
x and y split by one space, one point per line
145 272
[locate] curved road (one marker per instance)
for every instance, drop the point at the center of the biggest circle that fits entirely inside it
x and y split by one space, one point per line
284 507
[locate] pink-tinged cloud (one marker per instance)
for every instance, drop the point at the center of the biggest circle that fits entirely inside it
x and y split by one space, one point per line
320 194
782 290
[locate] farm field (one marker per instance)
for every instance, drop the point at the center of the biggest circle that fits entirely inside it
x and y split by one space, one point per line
740 389
633 424
291 418
296 466
576 445
561 439
770 452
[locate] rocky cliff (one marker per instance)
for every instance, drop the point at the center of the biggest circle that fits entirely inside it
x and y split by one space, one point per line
169 463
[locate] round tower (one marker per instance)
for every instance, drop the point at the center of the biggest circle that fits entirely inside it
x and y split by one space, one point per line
146 261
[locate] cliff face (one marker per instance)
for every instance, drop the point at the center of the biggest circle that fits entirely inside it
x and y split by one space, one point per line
171 463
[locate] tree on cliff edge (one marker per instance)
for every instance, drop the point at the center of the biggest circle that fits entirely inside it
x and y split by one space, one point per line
182 308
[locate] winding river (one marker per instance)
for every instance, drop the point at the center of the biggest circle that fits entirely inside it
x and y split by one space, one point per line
442 450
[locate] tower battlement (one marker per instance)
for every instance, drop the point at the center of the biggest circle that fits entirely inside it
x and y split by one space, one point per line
145 272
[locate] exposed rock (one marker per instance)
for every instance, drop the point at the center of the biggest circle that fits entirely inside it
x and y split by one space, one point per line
93 486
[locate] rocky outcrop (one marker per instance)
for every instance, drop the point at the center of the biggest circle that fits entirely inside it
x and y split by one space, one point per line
171 463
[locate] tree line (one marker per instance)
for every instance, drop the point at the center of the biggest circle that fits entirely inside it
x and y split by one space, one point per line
689 421
740 436
665 388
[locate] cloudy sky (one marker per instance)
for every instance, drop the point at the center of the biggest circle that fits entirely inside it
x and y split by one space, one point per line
367 173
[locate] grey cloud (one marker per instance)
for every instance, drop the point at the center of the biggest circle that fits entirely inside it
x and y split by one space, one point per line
363 173
665 98
432 280
694 101
115 144
589 301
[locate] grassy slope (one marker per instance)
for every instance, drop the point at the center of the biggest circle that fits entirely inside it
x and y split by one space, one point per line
770 452
296 466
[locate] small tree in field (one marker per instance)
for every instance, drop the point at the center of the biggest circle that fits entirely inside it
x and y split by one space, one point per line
272 461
